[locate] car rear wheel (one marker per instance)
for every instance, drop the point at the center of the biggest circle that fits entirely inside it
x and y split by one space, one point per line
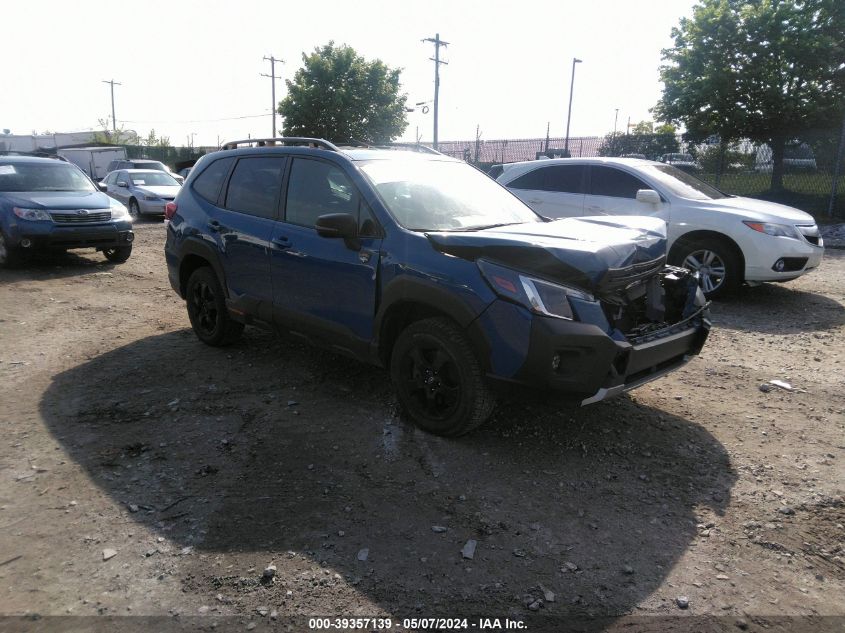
118 254
207 309
717 264
134 209
438 378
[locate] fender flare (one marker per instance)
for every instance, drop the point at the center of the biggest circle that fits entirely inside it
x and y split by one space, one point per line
205 251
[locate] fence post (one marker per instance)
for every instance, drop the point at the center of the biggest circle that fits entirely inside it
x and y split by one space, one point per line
836 170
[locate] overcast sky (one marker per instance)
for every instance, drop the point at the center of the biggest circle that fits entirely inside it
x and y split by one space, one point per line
191 67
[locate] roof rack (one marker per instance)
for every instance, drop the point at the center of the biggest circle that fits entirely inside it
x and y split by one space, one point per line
414 147
281 140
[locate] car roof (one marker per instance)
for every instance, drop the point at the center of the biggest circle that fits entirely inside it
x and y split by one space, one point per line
32 159
513 170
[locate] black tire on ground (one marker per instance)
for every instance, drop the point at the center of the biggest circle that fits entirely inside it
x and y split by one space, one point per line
207 309
134 209
719 265
438 379
118 254
9 255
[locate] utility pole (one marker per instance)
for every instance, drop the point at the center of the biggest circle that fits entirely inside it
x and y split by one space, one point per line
113 83
273 79
615 119
575 60
436 59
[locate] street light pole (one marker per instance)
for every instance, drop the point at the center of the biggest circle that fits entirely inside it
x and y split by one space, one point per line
575 60
615 119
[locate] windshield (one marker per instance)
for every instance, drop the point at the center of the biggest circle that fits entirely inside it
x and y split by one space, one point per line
431 195
154 179
42 177
682 184
153 165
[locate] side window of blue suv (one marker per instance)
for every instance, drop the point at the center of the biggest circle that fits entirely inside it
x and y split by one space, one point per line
208 183
254 186
317 188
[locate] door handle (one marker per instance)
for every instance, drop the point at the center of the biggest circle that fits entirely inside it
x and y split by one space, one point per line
215 226
281 241
535 202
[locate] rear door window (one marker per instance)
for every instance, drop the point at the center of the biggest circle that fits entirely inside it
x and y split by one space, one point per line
254 186
564 178
614 183
208 183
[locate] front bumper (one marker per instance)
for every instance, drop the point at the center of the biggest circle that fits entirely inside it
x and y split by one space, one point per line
47 235
763 251
152 207
582 359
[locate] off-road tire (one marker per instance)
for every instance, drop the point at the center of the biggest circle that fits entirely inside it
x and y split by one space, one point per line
207 309
455 377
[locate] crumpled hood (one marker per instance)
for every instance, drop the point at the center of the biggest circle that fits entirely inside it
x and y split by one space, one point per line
575 251
59 199
759 210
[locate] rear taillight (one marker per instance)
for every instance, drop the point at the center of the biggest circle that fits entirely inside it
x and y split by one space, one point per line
170 210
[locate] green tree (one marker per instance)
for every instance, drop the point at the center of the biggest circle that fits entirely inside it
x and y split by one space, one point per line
766 70
114 137
340 96
645 139
156 141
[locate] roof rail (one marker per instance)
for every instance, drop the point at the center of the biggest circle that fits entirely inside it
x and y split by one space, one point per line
36 154
281 140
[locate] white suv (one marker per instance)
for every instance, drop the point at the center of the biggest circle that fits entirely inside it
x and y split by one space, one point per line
727 239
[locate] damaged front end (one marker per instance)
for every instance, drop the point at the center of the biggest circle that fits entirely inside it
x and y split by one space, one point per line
659 321
653 307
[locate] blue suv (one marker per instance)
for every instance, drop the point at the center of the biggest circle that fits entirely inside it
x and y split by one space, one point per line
422 264
47 203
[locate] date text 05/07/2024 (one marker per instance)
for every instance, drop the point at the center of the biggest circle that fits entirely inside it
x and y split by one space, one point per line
417 624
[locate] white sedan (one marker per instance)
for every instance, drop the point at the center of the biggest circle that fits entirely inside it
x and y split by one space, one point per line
727 239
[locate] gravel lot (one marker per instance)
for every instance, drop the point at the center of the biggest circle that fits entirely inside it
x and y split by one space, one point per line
144 473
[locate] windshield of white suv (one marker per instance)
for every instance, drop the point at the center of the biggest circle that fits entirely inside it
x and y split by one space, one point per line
153 165
431 195
682 184
56 176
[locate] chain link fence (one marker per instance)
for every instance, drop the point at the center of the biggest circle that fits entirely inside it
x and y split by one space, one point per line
741 168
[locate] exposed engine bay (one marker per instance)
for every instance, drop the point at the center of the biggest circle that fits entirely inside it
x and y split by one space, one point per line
645 308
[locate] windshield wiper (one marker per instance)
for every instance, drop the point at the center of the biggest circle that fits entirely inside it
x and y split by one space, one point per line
482 227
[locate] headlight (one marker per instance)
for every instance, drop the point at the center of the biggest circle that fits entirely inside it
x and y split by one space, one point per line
119 212
33 215
538 295
777 230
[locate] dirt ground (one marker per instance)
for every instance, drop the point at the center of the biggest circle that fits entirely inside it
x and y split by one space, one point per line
199 468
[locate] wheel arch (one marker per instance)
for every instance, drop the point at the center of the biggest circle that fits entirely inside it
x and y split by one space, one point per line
698 235
195 255
408 301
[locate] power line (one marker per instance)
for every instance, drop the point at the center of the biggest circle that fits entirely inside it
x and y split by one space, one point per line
436 59
233 118
273 79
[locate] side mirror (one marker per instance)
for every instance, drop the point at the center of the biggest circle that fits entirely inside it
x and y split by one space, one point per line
102 186
649 196
342 225
122 183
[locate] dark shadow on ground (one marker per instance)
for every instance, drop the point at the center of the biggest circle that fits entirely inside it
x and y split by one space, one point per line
271 446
